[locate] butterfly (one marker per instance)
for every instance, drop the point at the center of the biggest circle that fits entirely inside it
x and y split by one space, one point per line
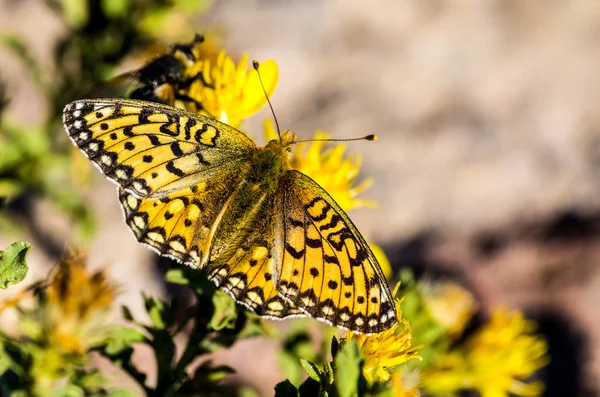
201 192
164 79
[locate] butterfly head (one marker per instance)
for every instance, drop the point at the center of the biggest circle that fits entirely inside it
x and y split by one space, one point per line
283 143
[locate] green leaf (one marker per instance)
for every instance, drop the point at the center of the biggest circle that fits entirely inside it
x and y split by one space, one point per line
310 388
10 188
311 369
115 8
328 373
126 313
335 347
348 364
176 276
247 391
121 338
225 312
213 374
76 12
13 267
285 389
160 313
69 391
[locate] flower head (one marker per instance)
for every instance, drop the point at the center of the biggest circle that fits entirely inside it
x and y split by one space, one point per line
329 168
405 384
72 313
495 361
386 351
230 92
449 304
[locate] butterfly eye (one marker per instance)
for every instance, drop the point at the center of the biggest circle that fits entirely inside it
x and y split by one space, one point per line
274 141
288 149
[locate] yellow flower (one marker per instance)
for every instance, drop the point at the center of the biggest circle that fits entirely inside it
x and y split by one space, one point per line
73 315
334 173
405 384
66 321
228 92
495 361
386 351
449 304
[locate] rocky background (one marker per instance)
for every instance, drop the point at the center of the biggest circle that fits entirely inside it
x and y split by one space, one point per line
487 165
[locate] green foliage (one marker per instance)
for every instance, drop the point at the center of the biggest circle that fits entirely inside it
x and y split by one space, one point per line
426 332
212 322
341 377
348 369
13 267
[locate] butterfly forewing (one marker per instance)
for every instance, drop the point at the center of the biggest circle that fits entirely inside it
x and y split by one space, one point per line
151 149
323 265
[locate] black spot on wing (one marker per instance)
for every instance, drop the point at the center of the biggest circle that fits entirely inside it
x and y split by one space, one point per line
201 159
313 243
153 139
174 170
292 251
188 128
176 149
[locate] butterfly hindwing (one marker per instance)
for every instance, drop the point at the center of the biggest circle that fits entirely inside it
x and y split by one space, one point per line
152 150
323 264
247 276
180 224
241 255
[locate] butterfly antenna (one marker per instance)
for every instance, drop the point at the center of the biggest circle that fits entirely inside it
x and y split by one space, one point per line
255 64
371 137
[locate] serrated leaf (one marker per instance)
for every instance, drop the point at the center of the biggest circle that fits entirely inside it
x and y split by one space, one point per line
285 389
328 372
311 369
348 363
13 267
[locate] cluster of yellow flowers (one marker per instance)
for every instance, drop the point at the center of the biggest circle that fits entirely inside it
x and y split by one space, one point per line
386 352
496 360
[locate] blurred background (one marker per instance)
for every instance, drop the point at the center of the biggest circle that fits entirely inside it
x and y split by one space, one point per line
486 170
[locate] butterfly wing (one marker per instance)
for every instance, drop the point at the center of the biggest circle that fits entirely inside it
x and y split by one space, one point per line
152 150
179 225
247 275
175 169
323 265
